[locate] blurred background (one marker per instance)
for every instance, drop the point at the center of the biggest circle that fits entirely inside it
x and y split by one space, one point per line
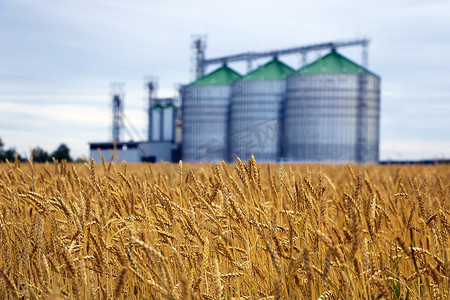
58 59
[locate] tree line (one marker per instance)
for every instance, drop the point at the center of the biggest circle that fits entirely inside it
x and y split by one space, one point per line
38 154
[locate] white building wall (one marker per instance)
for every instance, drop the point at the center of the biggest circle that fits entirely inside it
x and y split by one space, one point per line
128 155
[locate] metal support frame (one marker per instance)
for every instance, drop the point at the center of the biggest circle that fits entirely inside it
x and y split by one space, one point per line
199 45
202 62
152 85
365 55
249 64
117 94
304 58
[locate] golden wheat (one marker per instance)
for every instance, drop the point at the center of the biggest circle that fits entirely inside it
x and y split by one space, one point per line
162 231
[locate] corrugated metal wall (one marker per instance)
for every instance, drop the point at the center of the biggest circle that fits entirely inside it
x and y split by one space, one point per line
332 118
156 128
205 119
255 119
169 113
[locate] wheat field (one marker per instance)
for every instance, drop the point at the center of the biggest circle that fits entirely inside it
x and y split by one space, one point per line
226 231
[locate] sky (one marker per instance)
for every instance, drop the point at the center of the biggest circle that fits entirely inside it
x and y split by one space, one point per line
58 59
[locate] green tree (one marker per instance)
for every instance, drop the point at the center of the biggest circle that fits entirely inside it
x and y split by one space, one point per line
40 155
9 154
62 152
82 159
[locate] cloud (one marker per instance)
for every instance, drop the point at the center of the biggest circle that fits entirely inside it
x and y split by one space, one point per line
26 125
410 149
55 113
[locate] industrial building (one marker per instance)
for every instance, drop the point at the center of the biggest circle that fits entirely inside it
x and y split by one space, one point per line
134 152
163 131
205 109
255 112
331 112
327 111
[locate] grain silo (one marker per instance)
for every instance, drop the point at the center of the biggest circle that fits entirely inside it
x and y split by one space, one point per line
331 113
156 126
255 109
205 105
169 114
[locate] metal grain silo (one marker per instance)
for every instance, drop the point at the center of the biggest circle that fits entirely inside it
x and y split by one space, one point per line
156 126
255 109
169 112
331 113
205 105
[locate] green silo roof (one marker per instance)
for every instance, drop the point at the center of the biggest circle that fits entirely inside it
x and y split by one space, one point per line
222 76
273 70
334 63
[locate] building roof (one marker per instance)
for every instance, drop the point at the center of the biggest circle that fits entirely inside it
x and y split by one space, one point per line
273 70
222 76
334 63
